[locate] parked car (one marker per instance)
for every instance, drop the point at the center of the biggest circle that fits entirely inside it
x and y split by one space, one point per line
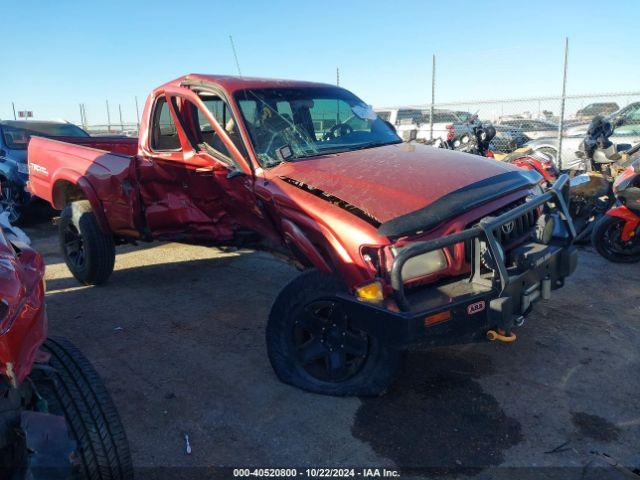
533 128
626 131
414 124
14 137
508 139
594 109
464 116
375 223
58 420
404 120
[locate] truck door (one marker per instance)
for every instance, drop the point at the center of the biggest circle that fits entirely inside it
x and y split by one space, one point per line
196 183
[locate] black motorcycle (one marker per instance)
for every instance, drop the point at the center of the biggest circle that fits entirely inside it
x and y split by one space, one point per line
472 137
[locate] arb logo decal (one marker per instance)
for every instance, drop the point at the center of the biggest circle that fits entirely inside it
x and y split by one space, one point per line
475 307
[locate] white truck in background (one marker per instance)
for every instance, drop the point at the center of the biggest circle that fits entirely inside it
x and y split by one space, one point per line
413 123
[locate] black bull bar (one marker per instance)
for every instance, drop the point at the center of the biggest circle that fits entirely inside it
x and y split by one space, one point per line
485 231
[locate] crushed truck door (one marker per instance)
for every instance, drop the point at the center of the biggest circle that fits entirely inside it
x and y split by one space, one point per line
195 182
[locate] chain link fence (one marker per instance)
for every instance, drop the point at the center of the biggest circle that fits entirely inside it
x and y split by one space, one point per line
553 124
521 120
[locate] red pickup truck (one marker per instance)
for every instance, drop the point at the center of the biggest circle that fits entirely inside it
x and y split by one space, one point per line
401 244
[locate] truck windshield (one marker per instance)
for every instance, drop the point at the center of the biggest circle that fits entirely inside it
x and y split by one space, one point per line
286 124
16 136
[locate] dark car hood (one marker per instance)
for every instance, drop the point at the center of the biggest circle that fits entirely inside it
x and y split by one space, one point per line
395 180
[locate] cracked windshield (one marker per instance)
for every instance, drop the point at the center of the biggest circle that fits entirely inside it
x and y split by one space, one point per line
286 124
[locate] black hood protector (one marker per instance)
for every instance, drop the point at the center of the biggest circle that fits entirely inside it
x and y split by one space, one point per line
459 202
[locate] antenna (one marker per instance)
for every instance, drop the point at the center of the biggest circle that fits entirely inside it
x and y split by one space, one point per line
235 54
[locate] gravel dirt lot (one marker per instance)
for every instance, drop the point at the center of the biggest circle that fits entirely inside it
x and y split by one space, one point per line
178 336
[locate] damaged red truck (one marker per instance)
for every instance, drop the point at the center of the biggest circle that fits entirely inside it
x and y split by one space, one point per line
401 244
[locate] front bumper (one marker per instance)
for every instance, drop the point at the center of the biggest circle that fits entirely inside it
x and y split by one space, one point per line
495 297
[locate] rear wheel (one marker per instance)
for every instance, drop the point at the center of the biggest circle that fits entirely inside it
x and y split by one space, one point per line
88 252
607 240
72 388
312 343
10 201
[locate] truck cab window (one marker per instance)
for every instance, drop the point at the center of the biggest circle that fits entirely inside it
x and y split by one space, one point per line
222 113
164 135
201 133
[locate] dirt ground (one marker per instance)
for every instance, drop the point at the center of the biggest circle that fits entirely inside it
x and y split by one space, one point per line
178 336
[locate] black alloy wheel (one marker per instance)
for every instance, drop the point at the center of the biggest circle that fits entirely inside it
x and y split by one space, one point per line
327 347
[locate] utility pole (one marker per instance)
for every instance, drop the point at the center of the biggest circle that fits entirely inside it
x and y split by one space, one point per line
81 115
562 102
433 95
337 101
121 122
108 116
235 54
13 105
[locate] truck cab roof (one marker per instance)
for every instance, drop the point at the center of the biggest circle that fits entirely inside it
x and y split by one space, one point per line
232 83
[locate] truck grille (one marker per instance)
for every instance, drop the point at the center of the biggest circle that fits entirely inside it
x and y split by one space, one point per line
512 233
518 229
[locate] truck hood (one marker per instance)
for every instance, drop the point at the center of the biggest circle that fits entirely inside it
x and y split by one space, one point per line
392 181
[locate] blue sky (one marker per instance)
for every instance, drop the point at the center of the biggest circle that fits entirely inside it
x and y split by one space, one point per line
56 54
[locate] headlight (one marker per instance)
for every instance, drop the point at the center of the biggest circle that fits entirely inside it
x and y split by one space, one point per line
423 264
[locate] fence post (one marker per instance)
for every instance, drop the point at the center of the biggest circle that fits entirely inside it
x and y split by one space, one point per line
433 95
562 102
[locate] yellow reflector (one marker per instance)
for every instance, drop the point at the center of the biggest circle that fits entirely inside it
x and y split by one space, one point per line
437 318
372 292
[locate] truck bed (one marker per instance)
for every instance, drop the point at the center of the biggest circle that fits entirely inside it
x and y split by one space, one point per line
122 145
102 167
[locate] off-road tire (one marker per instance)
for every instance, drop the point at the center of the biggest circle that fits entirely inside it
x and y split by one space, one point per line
99 248
374 376
598 240
72 388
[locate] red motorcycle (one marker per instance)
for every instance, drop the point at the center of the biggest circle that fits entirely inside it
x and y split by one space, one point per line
537 161
616 236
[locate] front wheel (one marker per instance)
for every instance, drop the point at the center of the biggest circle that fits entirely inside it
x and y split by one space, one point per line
72 388
607 240
88 252
313 345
